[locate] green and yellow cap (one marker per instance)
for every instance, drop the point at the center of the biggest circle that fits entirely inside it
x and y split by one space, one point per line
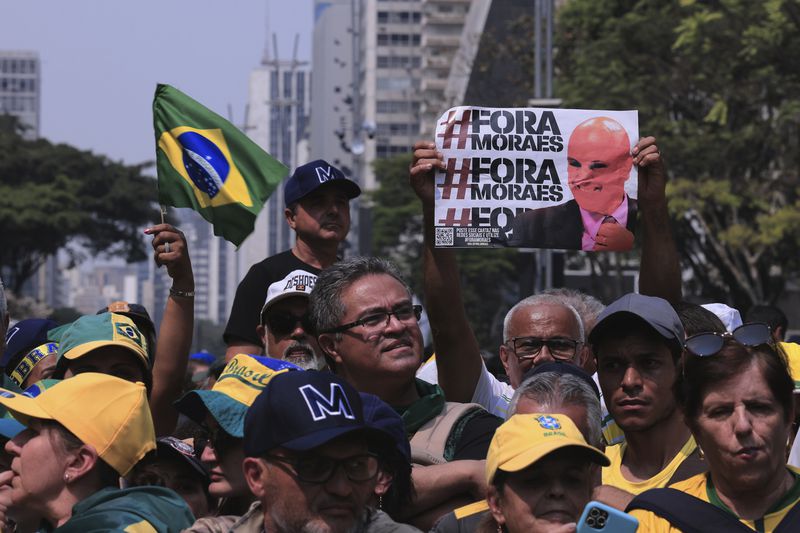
244 377
524 439
91 332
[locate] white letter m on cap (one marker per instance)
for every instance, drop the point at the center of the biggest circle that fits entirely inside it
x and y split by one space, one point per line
323 174
322 406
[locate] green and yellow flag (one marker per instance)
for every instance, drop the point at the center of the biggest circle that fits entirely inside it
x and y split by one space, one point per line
206 163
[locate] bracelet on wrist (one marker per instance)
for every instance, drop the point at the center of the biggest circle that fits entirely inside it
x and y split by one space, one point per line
180 294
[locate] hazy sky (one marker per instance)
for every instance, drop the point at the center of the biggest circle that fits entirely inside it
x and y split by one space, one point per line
101 60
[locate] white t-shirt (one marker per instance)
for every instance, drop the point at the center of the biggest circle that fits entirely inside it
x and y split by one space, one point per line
490 393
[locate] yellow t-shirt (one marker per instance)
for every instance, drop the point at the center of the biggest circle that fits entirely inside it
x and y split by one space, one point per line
701 487
792 351
613 476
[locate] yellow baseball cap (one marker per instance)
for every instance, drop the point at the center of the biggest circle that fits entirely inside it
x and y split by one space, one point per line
244 377
524 439
103 411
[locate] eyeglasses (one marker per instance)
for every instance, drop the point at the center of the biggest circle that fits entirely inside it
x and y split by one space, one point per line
380 320
217 438
320 469
531 347
281 324
706 344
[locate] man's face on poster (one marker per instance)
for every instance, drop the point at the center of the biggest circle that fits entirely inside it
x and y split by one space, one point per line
599 162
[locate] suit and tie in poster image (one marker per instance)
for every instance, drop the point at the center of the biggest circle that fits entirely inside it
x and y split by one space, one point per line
536 178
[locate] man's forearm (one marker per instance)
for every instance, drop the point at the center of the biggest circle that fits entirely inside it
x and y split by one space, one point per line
659 271
457 351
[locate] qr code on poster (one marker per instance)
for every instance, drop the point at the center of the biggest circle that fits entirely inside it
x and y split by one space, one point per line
444 236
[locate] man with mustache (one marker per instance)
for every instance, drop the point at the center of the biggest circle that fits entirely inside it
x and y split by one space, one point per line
285 328
601 216
317 198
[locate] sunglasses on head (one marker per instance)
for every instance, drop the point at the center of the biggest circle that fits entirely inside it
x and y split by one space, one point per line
706 344
281 324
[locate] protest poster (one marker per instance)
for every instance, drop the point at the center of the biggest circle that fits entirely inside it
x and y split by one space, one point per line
536 178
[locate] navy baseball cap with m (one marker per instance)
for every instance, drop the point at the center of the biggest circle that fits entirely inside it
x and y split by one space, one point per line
311 176
654 312
301 411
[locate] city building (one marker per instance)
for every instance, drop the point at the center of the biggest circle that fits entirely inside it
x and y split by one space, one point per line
333 133
442 29
20 83
213 265
389 42
276 119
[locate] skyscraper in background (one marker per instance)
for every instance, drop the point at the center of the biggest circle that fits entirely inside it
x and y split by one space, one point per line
389 78
276 119
442 29
332 127
20 83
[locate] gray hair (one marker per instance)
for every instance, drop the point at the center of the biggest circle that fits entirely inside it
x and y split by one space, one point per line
539 299
552 389
325 302
586 305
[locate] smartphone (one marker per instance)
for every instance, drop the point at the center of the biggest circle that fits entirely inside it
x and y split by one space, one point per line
599 517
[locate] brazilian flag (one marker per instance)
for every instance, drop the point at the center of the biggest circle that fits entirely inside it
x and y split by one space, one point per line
206 163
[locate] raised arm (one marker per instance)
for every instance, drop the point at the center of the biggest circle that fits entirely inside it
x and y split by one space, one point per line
458 356
175 334
659 271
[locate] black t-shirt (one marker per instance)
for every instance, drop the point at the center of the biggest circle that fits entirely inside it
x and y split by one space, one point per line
476 436
252 292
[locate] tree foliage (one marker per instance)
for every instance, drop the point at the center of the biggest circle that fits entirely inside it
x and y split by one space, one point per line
51 194
488 277
718 84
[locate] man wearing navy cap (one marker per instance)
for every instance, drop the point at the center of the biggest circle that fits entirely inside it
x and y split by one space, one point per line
317 198
638 342
311 458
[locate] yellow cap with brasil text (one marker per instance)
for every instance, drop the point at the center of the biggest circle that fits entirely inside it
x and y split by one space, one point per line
524 439
244 377
108 413
91 332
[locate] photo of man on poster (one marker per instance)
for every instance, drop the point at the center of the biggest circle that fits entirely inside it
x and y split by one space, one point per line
601 216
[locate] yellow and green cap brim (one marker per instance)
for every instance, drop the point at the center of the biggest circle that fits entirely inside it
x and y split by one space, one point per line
228 412
91 332
525 439
241 381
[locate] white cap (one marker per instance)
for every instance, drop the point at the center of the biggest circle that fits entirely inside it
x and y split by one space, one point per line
296 283
728 315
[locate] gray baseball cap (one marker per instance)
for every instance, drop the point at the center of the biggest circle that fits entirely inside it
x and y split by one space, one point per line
655 312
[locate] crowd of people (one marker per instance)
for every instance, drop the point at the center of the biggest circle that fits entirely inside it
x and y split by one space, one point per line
326 414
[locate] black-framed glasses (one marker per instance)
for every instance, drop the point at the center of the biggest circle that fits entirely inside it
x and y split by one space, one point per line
710 343
379 320
530 347
318 469
281 324
217 438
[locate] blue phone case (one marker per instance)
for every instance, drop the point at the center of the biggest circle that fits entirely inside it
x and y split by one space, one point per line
600 518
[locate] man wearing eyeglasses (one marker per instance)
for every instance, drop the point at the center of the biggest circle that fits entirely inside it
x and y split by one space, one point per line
285 327
368 327
311 459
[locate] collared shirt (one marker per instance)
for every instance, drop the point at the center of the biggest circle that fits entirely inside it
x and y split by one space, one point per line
593 221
